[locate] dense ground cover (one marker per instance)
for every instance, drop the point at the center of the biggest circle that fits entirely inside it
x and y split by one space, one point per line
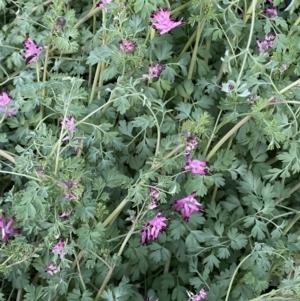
149 149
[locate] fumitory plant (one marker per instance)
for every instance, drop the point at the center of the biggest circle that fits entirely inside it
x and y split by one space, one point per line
149 150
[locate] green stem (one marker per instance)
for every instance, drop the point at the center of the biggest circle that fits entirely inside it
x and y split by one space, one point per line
189 43
108 276
98 70
234 274
248 44
91 13
180 8
19 174
195 51
227 136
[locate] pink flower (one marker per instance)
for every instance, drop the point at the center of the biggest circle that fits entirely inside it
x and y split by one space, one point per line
154 71
65 214
32 51
70 195
6 228
149 299
198 297
152 229
162 20
101 4
68 124
197 167
187 206
271 12
11 112
52 269
266 44
154 193
127 45
5 100
59 249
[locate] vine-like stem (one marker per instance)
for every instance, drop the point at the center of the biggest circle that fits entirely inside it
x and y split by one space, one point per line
195 50
96 76
91 13
110 271
253 5
43 93
234 274
189 43
227 136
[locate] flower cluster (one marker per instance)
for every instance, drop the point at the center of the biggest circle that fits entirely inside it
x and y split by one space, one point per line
68 124
271 12
52 269
187 206
154 194
65 214
266 44
198 297
32 51
152 229
162 20
197 167
5 101
154 71
127 45
102 3
6 228
59 249
191 143
69 193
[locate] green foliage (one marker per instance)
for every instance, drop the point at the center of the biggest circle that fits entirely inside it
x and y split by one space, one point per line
89 132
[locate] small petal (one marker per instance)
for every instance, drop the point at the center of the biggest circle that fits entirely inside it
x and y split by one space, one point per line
5 100
32 51
152 229
162 20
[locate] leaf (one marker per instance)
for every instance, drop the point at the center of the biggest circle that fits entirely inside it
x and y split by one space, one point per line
89 238
223 253
237 240
177 229
163 51
160 253
184 110
179 293
211 261
100 54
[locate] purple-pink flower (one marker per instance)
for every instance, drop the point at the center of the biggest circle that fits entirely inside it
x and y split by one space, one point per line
154 71
127 45
59 249
68 124
70 195
271 12
65 214
52 269
162 20
266 44
101 4
5 100
6 228
32 51
198 297
187 206
149 299
197 167
152 229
